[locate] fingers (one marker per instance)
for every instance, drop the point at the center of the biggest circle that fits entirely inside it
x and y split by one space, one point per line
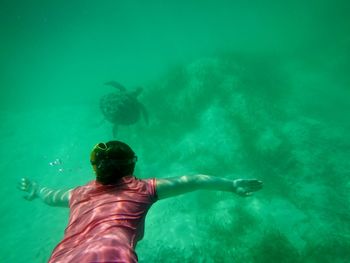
255 187
24 185
29 197
249 182
27 186
245 193
253 184
246 187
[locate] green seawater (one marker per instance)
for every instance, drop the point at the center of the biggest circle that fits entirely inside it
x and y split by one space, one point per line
233 89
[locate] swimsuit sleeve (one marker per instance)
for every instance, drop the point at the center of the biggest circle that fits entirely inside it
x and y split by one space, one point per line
151 187
73 196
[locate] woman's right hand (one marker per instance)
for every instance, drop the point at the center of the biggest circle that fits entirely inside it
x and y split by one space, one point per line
28 186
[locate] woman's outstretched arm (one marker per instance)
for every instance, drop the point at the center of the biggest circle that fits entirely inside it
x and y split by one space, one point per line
49 196
168 187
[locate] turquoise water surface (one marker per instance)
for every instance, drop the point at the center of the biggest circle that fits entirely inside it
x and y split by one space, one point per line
233 89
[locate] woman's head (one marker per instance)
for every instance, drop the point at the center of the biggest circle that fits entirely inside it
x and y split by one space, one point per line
112 160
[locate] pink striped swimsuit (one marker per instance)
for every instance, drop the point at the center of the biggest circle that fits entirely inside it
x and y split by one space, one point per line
106 222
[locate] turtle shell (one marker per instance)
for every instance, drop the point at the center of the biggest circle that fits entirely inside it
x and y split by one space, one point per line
120 108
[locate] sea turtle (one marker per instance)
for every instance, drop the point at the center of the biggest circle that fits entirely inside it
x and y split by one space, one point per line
122 107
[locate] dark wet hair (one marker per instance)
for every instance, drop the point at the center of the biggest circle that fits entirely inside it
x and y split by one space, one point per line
114 160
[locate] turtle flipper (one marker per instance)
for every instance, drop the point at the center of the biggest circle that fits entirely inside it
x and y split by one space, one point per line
115 130
136 92
144 112
116 85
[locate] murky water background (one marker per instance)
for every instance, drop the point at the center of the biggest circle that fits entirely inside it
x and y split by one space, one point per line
233 89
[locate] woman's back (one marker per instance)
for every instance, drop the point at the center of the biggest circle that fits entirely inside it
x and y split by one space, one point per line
106 221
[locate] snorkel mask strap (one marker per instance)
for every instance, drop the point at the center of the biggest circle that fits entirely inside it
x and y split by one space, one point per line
101 150
98 150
